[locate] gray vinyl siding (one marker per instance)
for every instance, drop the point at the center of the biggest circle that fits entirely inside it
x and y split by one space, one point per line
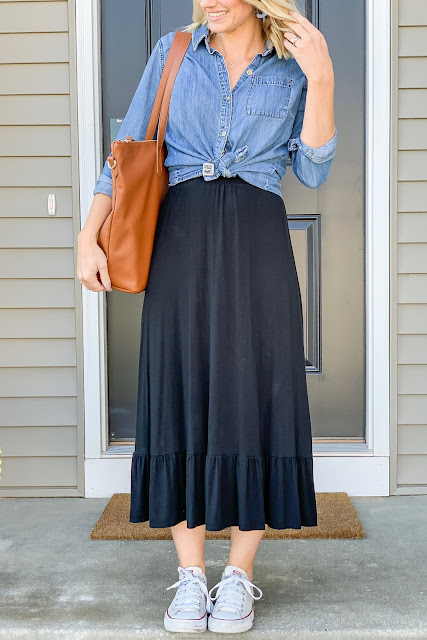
409 246
41 382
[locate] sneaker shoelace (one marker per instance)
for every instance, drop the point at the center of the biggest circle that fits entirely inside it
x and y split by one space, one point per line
231 598
188 593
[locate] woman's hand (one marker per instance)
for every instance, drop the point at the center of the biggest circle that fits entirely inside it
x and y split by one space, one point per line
90 260
311 53
310 49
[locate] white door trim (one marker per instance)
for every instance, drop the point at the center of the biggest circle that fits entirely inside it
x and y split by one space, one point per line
359 472
90 165
378 100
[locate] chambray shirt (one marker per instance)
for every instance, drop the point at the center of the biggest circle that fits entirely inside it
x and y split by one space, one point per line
211 131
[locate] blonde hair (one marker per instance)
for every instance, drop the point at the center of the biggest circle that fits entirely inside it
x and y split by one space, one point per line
276 21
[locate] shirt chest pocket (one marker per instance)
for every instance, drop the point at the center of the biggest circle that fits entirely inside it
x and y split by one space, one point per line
269 96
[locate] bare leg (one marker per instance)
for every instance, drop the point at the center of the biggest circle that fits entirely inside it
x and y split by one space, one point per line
190 544
244 545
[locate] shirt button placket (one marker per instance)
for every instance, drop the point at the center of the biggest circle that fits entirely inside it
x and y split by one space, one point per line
223 132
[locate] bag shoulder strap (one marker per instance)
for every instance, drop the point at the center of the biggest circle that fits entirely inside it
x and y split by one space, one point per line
160 109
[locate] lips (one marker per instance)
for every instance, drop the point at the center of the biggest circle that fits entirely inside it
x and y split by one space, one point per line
216 17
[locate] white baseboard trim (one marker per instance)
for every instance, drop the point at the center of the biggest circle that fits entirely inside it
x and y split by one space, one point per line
357 475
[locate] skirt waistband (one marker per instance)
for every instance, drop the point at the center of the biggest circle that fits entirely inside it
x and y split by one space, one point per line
222 179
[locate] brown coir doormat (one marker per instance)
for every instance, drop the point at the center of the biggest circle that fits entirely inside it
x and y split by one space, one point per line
336 517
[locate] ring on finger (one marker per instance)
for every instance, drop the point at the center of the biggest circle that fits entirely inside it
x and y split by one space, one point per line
294 39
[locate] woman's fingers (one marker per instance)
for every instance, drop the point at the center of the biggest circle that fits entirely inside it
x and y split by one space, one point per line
289 35
304 22
91 260
299 31
289 46
91 282
104 275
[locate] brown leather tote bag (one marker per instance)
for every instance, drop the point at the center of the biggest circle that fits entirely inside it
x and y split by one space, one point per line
140 181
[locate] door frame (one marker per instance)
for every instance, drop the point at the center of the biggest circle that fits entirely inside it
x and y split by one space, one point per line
358 469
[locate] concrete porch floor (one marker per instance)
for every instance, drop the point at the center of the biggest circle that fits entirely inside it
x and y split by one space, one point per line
57 583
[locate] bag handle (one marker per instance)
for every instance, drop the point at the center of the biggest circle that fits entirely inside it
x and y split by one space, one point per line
160 109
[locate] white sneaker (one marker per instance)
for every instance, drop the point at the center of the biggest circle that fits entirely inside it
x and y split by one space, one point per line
233 611
191 604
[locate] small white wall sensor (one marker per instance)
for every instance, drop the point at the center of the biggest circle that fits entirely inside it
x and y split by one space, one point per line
51 204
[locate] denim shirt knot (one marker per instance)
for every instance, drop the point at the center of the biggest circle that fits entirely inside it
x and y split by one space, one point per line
223 163
249 130
293 145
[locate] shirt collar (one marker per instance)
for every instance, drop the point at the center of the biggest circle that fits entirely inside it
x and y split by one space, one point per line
202 31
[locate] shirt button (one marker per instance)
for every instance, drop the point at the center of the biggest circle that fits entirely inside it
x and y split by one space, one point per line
223 133
249 71
228 97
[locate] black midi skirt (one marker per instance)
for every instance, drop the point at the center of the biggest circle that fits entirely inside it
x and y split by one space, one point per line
223 432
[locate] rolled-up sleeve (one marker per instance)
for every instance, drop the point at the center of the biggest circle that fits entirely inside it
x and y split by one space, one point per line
311 165
136 120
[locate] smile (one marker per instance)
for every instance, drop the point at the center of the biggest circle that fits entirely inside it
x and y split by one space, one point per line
216 14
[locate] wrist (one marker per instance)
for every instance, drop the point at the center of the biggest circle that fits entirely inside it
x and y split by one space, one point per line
87 236
323 80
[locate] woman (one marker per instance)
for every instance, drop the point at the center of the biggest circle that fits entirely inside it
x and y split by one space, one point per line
223 434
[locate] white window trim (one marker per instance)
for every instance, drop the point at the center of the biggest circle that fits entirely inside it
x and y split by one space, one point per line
360 471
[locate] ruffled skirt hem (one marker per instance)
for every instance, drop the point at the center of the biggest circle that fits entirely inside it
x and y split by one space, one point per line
247 491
